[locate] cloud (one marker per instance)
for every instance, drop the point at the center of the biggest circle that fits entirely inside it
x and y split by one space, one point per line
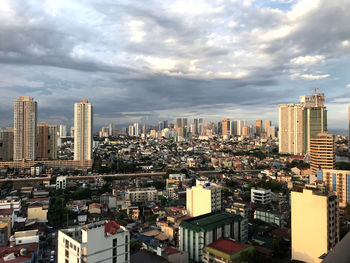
168 58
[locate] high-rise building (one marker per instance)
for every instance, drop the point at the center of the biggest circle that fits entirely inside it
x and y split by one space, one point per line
104 241
83 124
233 128
165 124
110 129
131 130
240 125
298 123
314 224
203 199
6 145
271 132
104 132
322 152
136 129
267 126
196 127
337 181
260 196
25 121
72 132
47 141
291 129
226 129
258 127
179 122
63 131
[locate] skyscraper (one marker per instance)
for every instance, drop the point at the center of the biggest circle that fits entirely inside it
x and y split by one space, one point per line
315 224
298 123
6 144
258 128
25 121
291 128
63 131
234 128
47 141
267 126
110 129
196 127
226 130
322 152
83 130
136 129
179 122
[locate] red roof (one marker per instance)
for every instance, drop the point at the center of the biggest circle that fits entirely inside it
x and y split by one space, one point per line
171 251
32 247
6 212
227 246
111 227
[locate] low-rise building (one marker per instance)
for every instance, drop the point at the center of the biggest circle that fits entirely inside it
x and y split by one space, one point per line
197 232
260 196
142 195
272 217
38 212
61 182
104 241
225 250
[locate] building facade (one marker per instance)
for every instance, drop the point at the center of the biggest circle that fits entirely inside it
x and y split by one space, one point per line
25 129
322 152
337 181
203 199
47 141
260 196
104 242
314 224
142 195
6 145
83 124
198 232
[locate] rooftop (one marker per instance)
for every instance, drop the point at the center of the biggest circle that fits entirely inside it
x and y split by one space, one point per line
209 221
227 246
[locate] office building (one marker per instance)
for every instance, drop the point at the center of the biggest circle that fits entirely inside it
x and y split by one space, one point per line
337 181
226 129
322 152
72 132
258 128
298 123
196 127
314 224
260 196
233 126
47 141
104 132
103 241
198 232
184 122
179 122
83 124
25 125
203 199
6 145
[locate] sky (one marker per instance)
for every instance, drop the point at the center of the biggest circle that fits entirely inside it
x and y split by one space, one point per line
145 61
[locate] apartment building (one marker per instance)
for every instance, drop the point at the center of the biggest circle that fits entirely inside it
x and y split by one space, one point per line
101 242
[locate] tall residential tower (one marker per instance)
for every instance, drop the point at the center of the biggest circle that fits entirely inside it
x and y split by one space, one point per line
82 130
25 121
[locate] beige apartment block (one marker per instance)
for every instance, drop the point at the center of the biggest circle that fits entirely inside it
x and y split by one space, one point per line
315 224
25 121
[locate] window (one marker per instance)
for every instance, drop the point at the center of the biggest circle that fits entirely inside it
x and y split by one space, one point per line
114 242
126 248
126 256
67 254
126 239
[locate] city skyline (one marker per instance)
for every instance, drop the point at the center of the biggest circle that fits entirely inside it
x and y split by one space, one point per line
224 59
